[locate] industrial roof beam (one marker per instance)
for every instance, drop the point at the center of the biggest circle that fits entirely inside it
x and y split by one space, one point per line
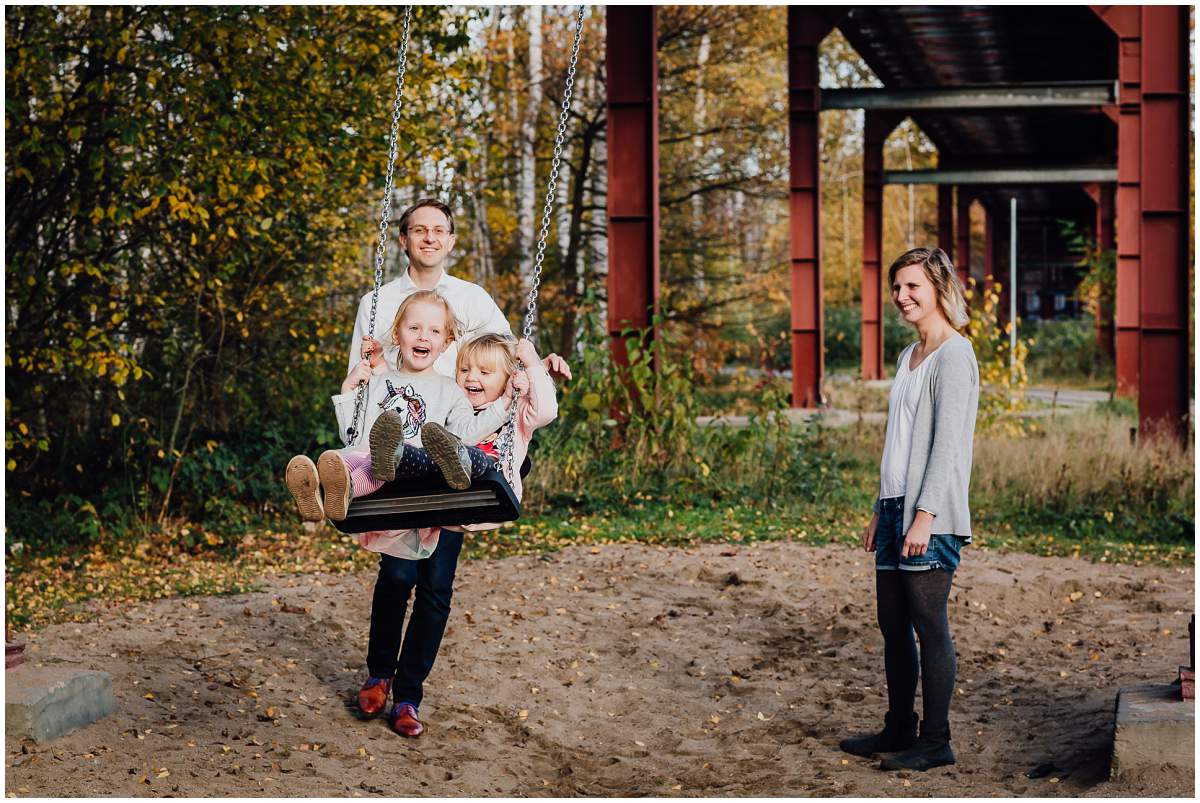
957 98
1029 175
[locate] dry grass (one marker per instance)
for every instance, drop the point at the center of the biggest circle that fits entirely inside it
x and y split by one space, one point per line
1084 460
851 393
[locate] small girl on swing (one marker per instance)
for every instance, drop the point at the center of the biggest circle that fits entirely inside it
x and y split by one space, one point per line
486 370
407 400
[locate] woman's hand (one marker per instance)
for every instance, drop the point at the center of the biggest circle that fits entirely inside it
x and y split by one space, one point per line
869 534
916 543
358 374
372 351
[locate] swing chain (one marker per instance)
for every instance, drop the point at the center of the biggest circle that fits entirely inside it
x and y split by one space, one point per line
547 210
508 434
385 211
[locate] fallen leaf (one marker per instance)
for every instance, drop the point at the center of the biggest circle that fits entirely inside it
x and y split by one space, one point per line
523 713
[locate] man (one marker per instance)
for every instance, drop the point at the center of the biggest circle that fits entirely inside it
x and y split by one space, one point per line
427 237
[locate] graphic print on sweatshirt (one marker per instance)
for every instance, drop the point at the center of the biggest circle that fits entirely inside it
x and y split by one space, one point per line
408 403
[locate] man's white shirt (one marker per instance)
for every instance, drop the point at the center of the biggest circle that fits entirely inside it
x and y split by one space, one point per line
471 304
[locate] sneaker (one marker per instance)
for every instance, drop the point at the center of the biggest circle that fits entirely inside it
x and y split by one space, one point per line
303 482
387 445
899 733
373 695
450 455
932 749
335 480
403 719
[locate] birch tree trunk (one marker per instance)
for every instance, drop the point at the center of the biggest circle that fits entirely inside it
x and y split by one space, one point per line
528 139
699 120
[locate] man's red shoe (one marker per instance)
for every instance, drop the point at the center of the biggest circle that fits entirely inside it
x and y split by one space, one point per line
404 720
373 696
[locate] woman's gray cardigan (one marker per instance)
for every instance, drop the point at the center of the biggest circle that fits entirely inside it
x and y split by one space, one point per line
939 466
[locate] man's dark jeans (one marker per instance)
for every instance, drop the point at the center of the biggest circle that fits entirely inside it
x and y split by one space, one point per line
433 579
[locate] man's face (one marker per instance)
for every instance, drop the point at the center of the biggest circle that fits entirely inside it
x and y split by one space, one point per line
428 240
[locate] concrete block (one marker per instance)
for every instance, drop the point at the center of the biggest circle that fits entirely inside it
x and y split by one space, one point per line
45 702
1154 727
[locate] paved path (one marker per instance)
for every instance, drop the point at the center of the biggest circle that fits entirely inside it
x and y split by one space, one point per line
1056 400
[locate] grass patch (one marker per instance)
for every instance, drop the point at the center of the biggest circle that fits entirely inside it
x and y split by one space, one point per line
1074 487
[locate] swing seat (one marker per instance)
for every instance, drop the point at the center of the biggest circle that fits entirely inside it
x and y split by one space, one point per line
409 504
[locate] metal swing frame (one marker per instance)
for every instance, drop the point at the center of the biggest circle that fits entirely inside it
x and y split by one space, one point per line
408 504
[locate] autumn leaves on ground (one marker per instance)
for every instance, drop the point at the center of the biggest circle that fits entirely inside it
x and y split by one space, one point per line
717 669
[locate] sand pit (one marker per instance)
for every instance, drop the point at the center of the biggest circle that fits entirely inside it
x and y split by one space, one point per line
622 670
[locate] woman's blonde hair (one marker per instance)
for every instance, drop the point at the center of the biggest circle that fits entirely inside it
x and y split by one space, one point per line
498 350
944 278
453 327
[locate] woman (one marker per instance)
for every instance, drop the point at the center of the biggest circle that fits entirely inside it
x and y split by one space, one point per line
921 515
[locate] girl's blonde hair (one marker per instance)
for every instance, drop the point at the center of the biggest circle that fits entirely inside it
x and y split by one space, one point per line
940 272
498 350
453 327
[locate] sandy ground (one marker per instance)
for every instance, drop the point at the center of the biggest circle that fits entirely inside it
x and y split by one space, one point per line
623 670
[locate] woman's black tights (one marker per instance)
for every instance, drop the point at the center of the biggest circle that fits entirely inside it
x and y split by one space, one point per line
908 601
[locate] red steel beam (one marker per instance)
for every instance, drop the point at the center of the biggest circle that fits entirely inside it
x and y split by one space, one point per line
877 126
631 50
1163 388
989 249
945 218
807 26
1104 197
1126 23
962 235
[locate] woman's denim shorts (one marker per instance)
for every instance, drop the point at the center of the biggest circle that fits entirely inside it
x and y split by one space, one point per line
943 551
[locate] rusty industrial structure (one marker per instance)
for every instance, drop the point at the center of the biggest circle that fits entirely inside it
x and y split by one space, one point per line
1075 112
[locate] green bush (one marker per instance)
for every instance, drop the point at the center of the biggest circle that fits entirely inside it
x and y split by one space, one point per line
595 456
1065 348
843 337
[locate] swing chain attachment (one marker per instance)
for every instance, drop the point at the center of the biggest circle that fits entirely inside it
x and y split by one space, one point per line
507 436
385 212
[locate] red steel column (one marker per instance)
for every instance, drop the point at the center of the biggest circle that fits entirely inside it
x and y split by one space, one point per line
633 215
1104 196
945 218
807 26
1126 22
962 236
989 249
1163 388
877 126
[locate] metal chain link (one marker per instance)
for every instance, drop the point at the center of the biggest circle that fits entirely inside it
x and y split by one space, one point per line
385 211
507 436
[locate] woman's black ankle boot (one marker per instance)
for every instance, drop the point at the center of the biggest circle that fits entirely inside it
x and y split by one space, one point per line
932 749
899 733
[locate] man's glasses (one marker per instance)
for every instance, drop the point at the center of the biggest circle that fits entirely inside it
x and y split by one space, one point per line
419 232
